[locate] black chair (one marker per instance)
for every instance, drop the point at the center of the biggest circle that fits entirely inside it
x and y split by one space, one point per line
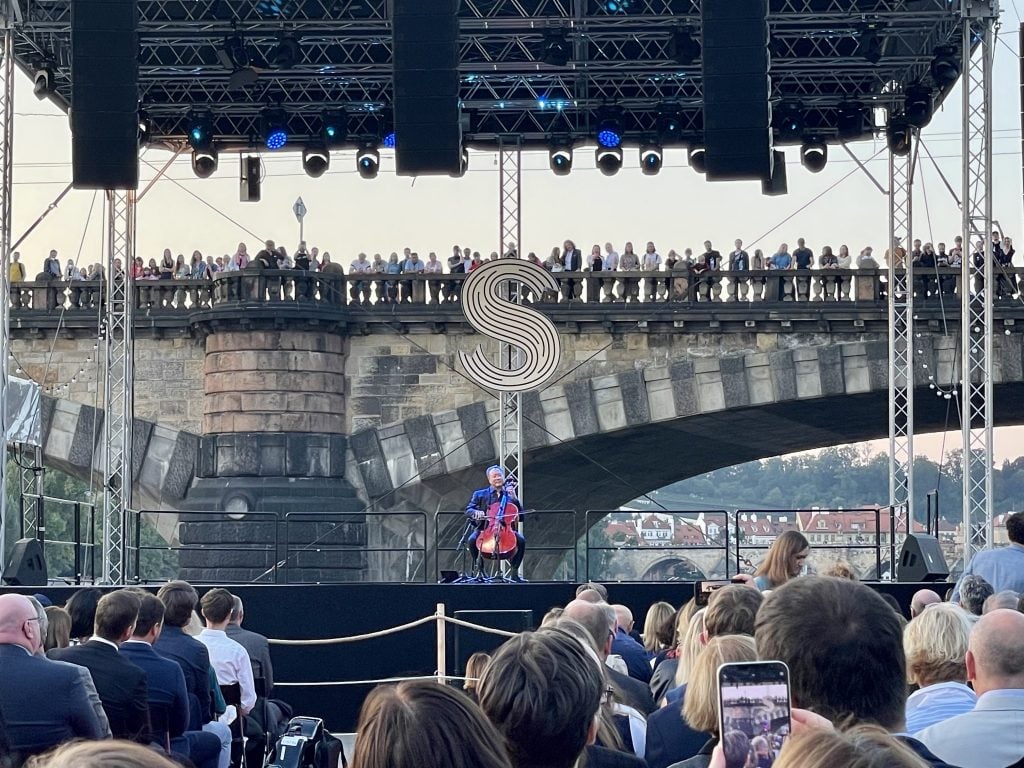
233 695
159 720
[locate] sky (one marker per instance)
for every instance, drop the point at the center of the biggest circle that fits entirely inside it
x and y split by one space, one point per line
676 209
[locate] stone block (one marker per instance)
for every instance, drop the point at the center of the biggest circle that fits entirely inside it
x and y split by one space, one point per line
855 369
634 397
451 441
477 429
808 377
369 460
759 379
62 430
581 408
557 414
181 468
684 388
710 394
734 382
660 400
878 364
83 444
783 375
534 431
423 443
830 366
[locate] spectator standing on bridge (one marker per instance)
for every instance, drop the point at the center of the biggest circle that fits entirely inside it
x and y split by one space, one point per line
51 266
803 260
739 259
786 559
433 268
16 274
1002 567
629 261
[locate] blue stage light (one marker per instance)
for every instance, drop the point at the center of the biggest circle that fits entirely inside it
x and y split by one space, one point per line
609 135
277 138
389 140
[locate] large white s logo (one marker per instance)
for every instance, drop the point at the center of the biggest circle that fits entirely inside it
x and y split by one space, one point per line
488 309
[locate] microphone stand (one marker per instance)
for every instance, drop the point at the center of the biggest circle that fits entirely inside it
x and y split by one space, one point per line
466 531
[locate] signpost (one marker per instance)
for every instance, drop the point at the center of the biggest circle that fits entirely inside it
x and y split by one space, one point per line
299 209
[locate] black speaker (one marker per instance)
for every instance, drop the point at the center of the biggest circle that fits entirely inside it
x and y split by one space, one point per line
105 94
26 566
428 128
921 559
250 179
737 112
469 641
778 183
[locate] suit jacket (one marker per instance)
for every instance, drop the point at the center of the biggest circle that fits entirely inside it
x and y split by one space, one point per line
669 738
120 684
633 654
194 660
43 703
634 693
572 261
94 697
989 735
259 654
602 757
165 685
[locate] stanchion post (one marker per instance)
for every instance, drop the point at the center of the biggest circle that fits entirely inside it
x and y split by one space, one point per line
442 645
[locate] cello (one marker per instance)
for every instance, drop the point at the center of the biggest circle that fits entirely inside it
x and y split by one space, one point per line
497 539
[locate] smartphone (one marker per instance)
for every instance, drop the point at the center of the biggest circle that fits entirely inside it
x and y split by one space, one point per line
753 712
702 589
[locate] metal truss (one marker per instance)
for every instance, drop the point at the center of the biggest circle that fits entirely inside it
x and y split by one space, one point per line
30 472
900 295
6 179
510 424
117 426
345 61
976 401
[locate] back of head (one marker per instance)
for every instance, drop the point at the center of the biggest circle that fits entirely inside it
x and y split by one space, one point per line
864 746
597 618
935 644
700 707
1005 599
922 599
593 585
542 691
475 666
237 610
974 591
116 614
82 608
400 726
843 645
179 599
1015 527
109 754
997 645
732 610
58 628
151 613
689 646
216 605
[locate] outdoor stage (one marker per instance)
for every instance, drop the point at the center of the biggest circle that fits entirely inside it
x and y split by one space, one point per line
294 612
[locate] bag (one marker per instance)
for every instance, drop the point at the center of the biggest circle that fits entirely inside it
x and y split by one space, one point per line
307 744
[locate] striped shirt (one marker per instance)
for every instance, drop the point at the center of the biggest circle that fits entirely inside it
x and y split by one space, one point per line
937 703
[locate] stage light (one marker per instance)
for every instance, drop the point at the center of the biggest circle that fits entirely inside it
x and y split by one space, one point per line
43 83
200 131
898 136
814 154
616 6
670 124
683 47
869 45
286 53
235 53
316 161
651 159
335 129
851 118
560 161
789 121
204 162
945 66
609 160
609 127
368 161
556 50
697 156
145 126
918 105
275 129
389 140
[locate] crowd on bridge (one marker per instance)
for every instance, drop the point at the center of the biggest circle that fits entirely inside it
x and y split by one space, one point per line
694 277
869 686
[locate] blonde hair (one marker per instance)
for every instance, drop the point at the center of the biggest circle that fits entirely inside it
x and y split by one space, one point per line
863 746
475 666
775 567
656 617
842 570
935 643
108 753
700 708
689 647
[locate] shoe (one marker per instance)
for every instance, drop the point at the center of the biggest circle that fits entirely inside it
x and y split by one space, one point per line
514 576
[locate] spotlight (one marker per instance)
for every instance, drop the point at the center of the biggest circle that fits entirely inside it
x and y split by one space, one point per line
275 129
918 105
235 53
43 83
850 120
945 66
697 156
616 6
145 127
869 45
315 161
670 124
389 140
200 131
650 159
286 53
609 128
560 159
204 162
335 130
789 121
898 135
814 154
368 161
556 48
609 160
683 47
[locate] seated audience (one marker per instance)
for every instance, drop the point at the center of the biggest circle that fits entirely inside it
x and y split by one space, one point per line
863 746
475 666
973 592
58 628
255 645
420 724
632 652
936 645
656 643
228 659
1001 567
664 676
990 735
108 754
82 608
179 599
1005 599
921 600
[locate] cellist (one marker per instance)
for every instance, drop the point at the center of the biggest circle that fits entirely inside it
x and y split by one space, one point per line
477 510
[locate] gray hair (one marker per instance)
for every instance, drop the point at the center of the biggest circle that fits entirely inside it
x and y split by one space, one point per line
974 591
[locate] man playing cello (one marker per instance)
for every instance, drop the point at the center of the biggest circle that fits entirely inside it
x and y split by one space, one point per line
495 509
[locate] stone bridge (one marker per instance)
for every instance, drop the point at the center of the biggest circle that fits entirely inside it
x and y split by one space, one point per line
278 390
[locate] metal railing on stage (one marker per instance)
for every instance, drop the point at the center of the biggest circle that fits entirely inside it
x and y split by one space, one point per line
74 557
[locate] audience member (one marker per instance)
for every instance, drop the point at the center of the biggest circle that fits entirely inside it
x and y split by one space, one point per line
935 644
229 659
82 608
179 599
989 736
420 724
1001 567
255 644
973 592
666 663
921 600
863 746
58 628
1005 599
785 559
552 615
842 570
108 754
475 666
732 610
658 615
623 644
601 590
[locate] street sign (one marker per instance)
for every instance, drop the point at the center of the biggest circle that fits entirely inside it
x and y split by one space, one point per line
299 209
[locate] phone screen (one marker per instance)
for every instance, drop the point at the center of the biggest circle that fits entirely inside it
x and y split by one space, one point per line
754 717
702 589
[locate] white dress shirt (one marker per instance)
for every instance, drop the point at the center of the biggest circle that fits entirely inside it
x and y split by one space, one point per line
230 662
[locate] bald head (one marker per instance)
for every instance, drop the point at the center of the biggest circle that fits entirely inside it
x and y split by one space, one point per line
623 617
995 652
1005 599
19 624
590 596
597 618
922 599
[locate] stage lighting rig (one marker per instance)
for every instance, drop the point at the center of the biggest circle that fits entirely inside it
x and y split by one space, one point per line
368 160
814 154
651 159
609 160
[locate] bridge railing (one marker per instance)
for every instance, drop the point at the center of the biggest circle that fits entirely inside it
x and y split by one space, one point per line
66 530
377 292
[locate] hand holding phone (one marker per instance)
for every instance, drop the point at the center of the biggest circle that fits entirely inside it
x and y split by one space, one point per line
753 712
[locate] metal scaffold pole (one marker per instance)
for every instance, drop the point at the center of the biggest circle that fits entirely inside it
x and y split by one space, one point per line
510 425
117 426
6 166
900 295
979 18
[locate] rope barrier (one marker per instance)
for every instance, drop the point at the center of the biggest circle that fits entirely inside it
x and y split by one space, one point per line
488 630
394 630
370 682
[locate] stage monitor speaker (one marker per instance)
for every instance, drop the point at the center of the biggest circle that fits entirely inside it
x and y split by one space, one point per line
26 566
428 128
921 559
737 90
778 183
469 641
105 94
249 183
